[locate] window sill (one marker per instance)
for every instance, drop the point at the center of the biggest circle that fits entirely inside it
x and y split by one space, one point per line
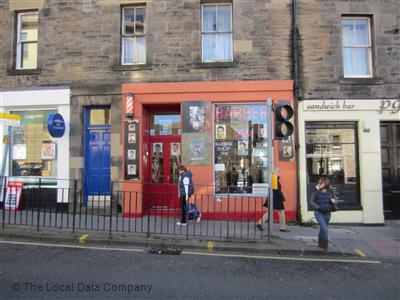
222 64
24 72
361 81
132 67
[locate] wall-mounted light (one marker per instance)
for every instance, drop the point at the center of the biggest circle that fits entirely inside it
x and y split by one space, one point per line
129 104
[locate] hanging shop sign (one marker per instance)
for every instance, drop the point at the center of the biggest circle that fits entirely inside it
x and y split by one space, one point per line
13 195
56 125
132 149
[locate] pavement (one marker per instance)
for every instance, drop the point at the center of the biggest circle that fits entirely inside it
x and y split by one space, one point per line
355 242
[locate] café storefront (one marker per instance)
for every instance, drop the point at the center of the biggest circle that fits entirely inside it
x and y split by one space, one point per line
216 129
356 144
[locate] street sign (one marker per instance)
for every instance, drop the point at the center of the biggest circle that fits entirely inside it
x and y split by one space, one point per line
10 120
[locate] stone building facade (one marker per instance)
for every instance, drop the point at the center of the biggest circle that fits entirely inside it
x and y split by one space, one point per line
349 122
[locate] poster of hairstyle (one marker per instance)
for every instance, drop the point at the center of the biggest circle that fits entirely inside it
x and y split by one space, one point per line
175 149
196 116
157 149
243 149
196 149
131 154
220 132
286 149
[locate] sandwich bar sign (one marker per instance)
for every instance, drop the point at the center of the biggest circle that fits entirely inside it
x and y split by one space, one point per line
385 105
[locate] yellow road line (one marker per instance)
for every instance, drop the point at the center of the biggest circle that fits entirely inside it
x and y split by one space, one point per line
200 253
284 257
359 252
83 238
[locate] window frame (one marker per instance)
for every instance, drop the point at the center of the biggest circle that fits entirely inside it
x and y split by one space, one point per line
367 46
19 44
216 32
133 36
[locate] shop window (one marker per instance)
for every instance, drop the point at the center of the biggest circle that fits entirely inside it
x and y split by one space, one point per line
26 41
165 124
331 151
217 32
357 48
34 151
133 35
240 148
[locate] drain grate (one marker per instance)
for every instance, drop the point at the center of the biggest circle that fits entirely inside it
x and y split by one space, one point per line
168 251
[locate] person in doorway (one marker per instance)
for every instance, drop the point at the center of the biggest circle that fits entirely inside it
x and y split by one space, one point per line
186 189
321 202
278 199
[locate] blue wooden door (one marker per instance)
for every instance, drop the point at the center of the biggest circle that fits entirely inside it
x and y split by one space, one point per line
97 158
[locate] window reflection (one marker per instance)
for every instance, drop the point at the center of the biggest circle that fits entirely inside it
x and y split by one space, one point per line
331 152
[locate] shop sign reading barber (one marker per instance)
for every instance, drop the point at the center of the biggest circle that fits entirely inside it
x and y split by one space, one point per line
56 125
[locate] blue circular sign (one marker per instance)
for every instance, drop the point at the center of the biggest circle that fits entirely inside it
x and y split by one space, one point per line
56 125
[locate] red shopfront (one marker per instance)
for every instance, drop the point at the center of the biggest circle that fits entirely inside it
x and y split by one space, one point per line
216 129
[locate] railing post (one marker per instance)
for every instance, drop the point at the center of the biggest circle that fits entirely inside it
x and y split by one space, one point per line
148 214
74 205
111 202
39 202
3 191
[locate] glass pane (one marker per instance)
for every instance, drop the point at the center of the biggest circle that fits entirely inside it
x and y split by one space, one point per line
157 166
224 18
34 152
29 27
209 18
331 152
129 21
223 50
240 147
100 117
175 160
348 32
140 20
356 61
29 56
127 44
209 44
165 125
361 32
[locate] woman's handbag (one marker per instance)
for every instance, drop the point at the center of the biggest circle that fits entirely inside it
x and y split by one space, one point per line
334 207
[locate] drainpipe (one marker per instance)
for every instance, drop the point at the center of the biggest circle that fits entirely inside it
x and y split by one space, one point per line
297 97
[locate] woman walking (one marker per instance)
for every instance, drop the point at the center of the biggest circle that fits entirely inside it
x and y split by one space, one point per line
321 201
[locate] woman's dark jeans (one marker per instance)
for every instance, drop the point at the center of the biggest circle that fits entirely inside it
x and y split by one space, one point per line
323 221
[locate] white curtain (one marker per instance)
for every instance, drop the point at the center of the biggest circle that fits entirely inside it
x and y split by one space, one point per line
134 50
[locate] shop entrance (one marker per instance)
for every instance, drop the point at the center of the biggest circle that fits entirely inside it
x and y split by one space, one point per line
390 153
97 155
164 158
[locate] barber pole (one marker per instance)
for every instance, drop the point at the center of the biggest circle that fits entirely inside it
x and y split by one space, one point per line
129 105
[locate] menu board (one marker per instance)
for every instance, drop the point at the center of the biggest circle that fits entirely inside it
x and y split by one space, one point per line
132 149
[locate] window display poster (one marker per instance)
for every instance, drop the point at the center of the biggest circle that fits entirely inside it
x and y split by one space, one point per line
223 148
243 148
165 127
131 149
196 149
19 151
286 149
196 116
13 195
48 151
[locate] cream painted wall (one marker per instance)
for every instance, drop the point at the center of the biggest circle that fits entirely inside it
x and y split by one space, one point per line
366 113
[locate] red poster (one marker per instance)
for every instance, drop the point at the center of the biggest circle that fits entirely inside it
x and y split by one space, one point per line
13 195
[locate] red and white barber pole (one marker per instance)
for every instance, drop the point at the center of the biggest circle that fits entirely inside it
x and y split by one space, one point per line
129 104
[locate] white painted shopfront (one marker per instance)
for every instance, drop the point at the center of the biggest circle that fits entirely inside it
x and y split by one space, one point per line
341 139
